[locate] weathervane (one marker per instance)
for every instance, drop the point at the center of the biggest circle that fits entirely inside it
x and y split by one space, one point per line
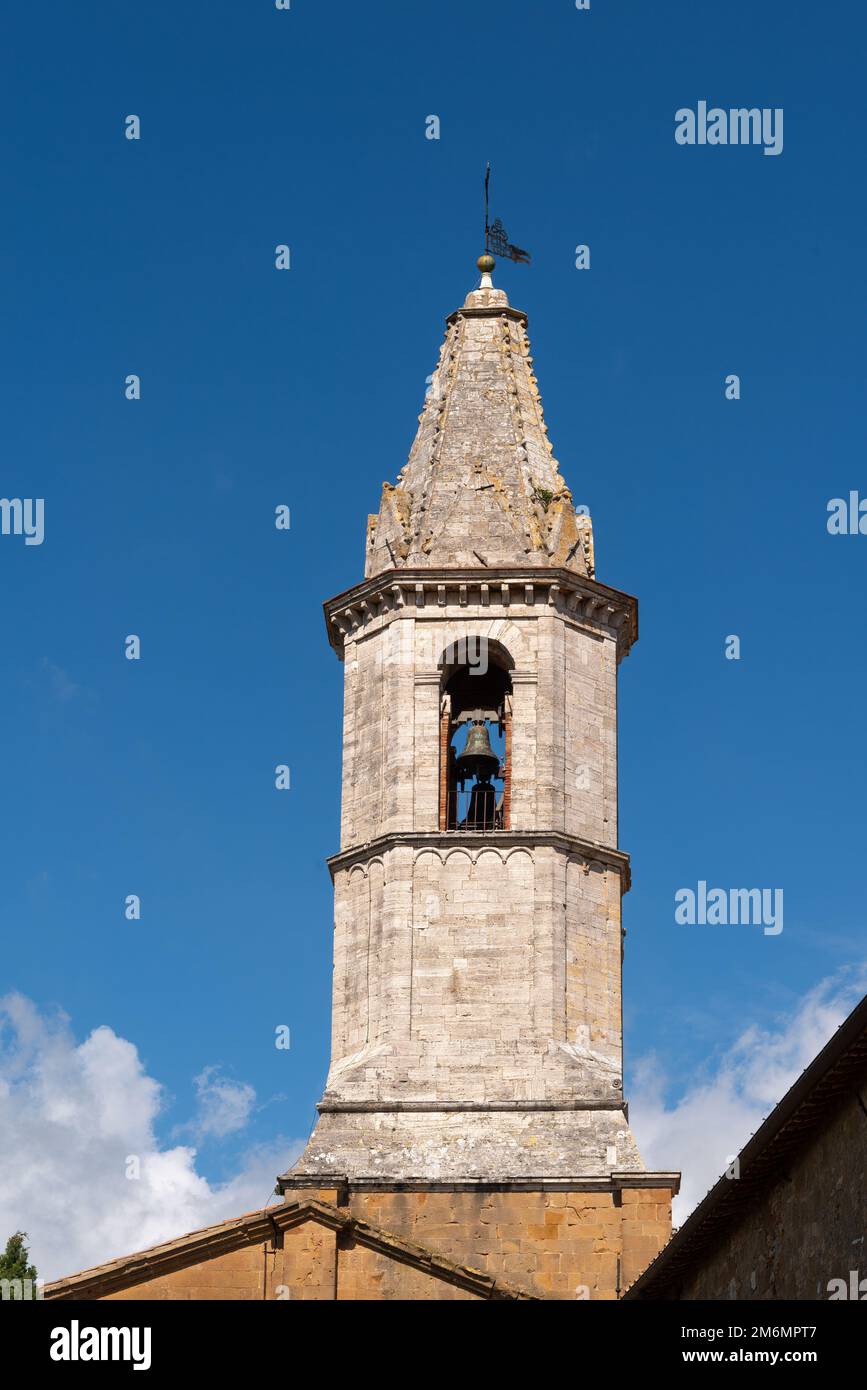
496 240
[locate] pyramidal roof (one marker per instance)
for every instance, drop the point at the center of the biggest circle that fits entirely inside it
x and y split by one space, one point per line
481 488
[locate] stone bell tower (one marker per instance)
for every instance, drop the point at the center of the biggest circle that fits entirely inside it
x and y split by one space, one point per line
475 1096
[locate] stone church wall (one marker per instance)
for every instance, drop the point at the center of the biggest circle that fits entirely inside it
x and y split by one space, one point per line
560 1245
551 1245
300 1264
555 1244
810 1228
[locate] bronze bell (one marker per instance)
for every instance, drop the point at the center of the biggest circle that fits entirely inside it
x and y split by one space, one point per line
478 758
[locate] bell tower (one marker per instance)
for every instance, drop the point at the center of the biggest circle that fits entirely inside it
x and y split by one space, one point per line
475 1095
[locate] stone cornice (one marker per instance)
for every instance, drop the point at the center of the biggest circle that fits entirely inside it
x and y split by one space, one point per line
585 601
480 840
585 1182
487 311
463 1107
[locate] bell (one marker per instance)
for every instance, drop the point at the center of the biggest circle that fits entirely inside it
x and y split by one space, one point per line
478 758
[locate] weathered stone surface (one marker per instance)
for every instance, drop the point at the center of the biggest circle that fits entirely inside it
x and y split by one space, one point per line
481 480
476 1003
303 1251
487 1144
473 1139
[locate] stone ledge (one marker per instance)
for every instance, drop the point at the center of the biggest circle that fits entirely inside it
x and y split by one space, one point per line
392 592
605 1182
488 311
423 1107
587 850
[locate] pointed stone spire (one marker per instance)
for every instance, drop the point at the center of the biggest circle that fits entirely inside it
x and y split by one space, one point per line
481 488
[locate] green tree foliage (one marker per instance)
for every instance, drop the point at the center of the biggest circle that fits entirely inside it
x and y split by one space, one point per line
15 1260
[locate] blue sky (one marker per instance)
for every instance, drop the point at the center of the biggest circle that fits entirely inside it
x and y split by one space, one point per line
156 257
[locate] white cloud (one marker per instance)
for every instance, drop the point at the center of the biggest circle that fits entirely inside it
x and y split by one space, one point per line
224 1106
716 1114
72 1114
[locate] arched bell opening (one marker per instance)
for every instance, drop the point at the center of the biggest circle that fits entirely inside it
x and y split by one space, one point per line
475 737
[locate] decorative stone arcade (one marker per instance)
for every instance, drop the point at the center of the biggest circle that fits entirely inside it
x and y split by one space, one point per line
476 1039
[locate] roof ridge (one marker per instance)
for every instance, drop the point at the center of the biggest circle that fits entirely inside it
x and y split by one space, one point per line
148 1263
845 1053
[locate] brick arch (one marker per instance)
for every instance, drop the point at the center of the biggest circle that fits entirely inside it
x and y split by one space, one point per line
510 636
433 853
364 869
520 849
506 636
454 853
460 654
492 851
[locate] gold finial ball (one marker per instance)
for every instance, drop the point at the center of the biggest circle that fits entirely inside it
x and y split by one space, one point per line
486 263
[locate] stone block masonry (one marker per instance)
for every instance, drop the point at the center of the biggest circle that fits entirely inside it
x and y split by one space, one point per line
473 1137
475 1093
